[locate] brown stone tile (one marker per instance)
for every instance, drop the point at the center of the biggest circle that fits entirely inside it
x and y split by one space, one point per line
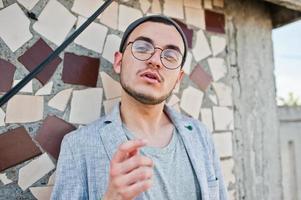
80 70
35 55
188 32
7 71
16 146
51 133
200 77
215 22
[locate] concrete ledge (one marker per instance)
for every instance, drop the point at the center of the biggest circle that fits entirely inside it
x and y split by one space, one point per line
291 4
289 114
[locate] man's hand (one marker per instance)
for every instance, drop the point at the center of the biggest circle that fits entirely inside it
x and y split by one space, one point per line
130 172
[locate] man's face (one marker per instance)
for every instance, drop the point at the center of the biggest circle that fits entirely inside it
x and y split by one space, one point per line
148 81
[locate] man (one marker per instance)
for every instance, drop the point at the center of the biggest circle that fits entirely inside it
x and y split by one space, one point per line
143 149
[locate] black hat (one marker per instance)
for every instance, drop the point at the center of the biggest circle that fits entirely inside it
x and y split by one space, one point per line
154 18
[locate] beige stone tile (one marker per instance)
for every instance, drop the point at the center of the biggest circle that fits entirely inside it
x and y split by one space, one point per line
193 3
51 179
144 5
191 101
227 171
34 171
174 99
24 109
45 90
223 144
173 8
17 33
86 8
2 118
201 49
206 116
156 7
208 4
126 16
109 104
219 3
217 67
111 46
4 179
111 87
110 16
26 89
223 118
224 94
60 100
28 4
86 105
1 4
51 25
187 64
218 44
93 37
195 17
41 193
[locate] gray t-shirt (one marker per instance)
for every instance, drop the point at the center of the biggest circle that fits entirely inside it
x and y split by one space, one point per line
174 177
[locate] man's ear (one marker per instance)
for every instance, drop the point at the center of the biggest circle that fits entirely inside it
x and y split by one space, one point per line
117 62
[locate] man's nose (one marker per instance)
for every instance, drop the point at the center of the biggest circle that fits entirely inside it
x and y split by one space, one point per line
155 59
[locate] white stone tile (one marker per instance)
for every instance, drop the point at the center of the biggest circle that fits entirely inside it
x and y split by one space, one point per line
34 171
208 4
201 49
227 171
111 87
223 118
156 7
110 16
213 98
111 46
60 100
223 144
86 8
86 105
24 109
51 179
1 4
45 90
26 89
224 94
206 116
93 37
191 101
173 8
187 64
28 4
217 67
219 3
126 16
144 5
195 17
193 3
174 99
51 25
109 104
16 33
218 44
4 179
2 118
41 193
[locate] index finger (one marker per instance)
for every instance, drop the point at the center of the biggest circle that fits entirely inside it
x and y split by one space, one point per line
126 148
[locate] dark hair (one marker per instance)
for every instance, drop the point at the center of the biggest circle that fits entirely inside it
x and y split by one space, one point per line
154 18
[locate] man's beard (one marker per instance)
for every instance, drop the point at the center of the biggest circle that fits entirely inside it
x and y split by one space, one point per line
141 97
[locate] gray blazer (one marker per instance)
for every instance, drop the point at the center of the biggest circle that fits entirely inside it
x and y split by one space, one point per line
84 161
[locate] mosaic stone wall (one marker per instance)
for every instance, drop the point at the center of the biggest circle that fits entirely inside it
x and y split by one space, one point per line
80 86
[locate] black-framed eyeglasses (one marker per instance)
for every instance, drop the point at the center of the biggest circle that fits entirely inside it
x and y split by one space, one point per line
143 50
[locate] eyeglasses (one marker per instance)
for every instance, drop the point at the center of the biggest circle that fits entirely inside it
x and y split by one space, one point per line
143 50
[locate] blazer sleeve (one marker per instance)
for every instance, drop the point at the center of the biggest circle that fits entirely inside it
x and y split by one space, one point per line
69 182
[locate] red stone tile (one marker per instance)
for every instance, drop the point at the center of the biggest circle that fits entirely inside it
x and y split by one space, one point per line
16 146
51 133
80 70
7 71
35 55
215 22
200 77
188 32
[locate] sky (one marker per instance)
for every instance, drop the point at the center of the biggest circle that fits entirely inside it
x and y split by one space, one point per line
287 55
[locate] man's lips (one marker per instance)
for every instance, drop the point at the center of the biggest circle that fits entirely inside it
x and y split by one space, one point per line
151 76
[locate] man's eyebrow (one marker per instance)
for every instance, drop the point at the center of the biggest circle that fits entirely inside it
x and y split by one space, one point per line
145 39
